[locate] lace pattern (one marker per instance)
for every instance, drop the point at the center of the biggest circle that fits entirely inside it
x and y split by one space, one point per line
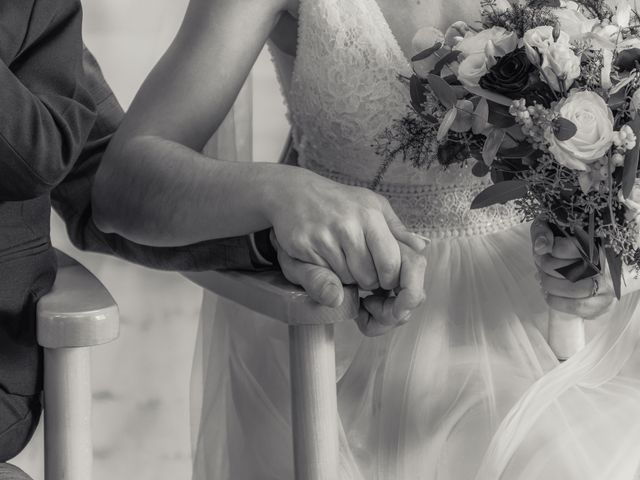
344 92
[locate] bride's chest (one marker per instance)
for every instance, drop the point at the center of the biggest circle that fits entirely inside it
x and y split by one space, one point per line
403 17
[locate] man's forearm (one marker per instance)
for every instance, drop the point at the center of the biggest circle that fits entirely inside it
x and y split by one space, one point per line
166 195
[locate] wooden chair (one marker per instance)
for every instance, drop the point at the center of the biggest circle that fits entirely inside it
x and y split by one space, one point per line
76 315
311 356
311 352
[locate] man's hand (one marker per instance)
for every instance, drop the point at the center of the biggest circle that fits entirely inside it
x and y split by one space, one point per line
551 253
379 312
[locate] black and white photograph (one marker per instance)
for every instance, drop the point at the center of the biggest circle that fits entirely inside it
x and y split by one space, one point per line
320 239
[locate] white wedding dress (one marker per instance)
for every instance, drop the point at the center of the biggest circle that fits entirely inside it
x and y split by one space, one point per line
469 389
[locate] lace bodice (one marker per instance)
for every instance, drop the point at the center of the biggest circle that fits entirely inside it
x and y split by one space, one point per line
343 91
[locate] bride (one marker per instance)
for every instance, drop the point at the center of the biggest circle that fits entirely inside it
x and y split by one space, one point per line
469 388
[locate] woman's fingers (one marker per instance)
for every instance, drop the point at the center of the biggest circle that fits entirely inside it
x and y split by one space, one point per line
410 294
541 237
386 311
565 288
549 264
588 308
320 283
565 248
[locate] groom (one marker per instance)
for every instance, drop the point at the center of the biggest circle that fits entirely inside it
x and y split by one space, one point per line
57 115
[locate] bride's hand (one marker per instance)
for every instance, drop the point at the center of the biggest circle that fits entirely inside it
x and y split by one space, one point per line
588 298
352 230
378 313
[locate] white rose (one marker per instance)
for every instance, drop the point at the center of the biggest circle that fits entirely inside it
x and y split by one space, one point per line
540 39
503 41
594 136
472 69
559 62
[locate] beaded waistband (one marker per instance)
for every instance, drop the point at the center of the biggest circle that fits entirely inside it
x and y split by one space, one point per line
438 211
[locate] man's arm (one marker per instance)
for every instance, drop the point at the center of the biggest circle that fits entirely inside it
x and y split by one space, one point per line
72 200
46 113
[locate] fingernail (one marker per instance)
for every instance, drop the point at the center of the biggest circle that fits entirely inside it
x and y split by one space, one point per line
404 315
540 245
330 294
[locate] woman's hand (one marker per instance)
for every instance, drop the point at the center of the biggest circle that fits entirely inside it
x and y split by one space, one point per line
379 313
588 298
351 230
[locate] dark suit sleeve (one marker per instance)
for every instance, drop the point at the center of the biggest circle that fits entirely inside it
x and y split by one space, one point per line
72 200
46 112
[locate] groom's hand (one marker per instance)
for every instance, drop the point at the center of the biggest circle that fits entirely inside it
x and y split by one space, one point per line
379 312
588 298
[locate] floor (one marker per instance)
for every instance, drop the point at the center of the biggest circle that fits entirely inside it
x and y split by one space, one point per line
141 381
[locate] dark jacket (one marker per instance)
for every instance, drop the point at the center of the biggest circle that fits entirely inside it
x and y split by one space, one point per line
57 115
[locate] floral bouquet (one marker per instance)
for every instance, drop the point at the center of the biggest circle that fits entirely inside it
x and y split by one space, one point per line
544 97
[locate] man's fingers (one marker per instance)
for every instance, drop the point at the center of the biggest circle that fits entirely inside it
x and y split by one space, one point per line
334 258
320 283
541 237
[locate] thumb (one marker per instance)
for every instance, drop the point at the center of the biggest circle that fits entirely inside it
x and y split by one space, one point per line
320 283
400 232
542 237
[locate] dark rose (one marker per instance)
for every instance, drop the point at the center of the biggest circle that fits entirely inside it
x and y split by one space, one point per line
450 153
510 75
539 93
628 59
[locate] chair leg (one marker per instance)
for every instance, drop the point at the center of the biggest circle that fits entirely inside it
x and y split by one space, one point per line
314 402
67 398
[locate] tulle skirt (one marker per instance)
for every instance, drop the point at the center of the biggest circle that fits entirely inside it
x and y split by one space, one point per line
468 389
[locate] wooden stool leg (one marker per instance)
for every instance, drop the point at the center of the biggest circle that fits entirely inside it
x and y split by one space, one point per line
67 386
314 402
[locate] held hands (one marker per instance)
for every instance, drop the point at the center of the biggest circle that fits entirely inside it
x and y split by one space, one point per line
588 298
351 230
379 313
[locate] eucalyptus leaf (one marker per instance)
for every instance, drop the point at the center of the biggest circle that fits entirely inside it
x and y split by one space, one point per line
480 169
523 150
494 97
426 53
446 124
500 193
564 129
442 90
481 117
491 145
446 60
615 269
499 116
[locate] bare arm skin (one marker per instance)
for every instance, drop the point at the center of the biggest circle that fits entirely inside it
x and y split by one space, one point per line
154 188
